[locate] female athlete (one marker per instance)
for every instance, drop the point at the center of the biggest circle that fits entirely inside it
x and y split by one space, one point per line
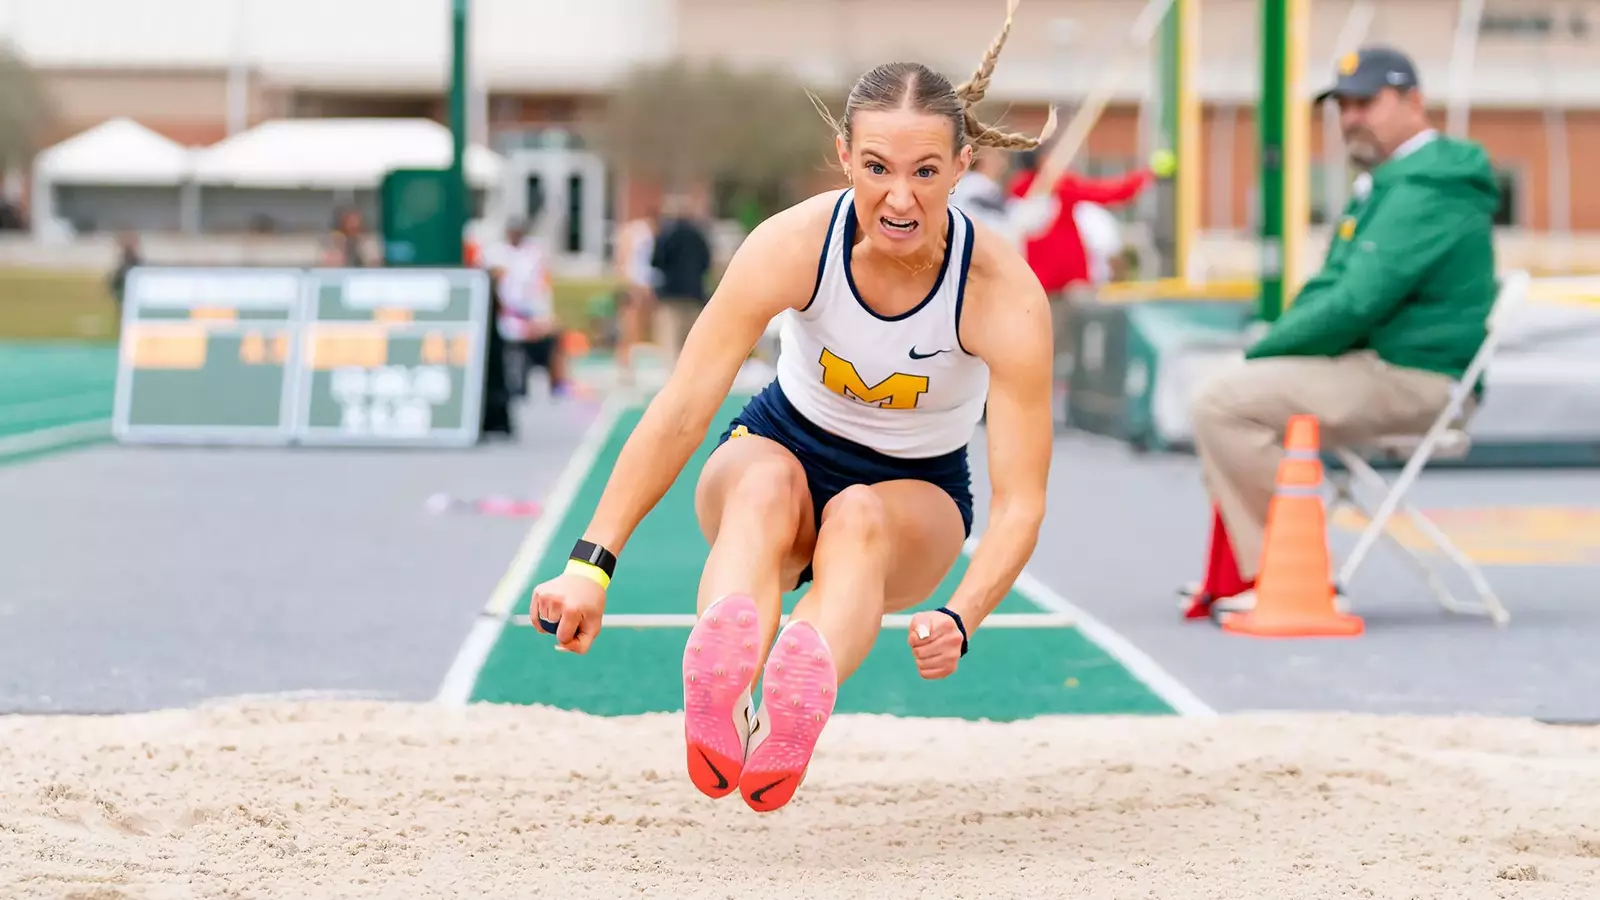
850 469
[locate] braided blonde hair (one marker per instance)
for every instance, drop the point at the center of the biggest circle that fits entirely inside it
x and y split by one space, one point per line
907 85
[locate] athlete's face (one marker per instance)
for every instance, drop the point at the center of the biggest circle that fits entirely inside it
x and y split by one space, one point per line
903 166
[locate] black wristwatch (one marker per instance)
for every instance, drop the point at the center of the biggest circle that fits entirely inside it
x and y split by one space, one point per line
595 555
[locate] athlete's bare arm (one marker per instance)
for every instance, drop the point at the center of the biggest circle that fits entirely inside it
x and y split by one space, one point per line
1007 323
773 270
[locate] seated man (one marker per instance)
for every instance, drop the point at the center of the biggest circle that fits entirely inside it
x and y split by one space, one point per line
1374 343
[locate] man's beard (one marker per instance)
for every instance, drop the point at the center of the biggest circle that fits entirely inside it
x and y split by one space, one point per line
1363 152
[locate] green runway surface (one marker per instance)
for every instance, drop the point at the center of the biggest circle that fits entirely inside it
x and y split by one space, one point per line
1010 673
53 396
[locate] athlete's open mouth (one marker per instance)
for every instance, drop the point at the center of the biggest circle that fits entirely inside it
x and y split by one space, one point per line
902 225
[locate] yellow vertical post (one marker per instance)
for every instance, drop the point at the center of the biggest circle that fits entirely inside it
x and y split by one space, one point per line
1297 148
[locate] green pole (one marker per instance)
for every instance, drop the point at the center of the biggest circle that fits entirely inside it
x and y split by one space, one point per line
1270 115
1166 137
459 204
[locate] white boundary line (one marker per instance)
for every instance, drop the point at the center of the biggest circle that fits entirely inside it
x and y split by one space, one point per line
893 620
456 689
459 681
49 438
1136 661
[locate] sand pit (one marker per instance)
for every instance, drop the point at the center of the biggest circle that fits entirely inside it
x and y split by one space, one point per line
336 800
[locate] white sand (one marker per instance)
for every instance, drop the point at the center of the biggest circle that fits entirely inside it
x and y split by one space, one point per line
337 800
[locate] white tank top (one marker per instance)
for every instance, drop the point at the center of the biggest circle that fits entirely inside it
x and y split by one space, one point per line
903 386
641 250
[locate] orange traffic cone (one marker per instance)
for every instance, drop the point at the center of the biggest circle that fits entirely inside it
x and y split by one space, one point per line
1294 595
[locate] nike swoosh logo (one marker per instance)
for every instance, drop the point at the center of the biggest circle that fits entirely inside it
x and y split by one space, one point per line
751 728
916 355
722 781
758 793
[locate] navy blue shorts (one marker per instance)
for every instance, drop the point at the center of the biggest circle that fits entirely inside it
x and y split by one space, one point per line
832 463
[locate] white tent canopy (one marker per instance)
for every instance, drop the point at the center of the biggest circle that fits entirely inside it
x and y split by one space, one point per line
335 154
116 152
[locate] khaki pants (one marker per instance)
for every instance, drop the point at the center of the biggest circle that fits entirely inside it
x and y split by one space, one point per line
674 317
1240 417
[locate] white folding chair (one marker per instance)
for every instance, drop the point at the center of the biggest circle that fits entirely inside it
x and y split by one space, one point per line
1446 438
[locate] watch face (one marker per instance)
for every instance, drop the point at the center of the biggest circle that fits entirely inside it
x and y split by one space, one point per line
592 553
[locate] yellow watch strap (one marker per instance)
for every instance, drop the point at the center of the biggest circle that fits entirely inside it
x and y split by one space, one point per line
588 570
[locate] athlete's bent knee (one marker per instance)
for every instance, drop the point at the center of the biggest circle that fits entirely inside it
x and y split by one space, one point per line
858 512
769 489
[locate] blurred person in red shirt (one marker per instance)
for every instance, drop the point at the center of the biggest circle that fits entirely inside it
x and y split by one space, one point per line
1056 253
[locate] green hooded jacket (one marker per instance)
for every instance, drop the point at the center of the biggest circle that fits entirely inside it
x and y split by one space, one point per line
1410 269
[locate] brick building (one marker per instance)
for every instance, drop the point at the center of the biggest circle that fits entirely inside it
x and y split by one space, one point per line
1533 84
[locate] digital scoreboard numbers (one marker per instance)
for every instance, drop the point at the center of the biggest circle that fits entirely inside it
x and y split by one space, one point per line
206 355
393 356
382 357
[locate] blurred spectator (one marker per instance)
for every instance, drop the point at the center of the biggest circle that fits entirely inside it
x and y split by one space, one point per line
635 246
128 256
496 413
1057 253
11 216
526 316
346 245
1102 239
981 195
682 257
1374 342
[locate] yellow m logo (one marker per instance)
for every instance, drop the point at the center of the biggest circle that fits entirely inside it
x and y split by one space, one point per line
898 391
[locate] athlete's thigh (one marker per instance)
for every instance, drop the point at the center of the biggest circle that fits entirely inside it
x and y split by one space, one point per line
925 538
751 468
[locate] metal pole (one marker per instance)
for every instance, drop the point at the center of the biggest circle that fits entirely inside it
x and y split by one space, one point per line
1461 55
460 199
238 89
1083 121
478 118
1187 149
1335 170
1270 115
1560 158
1221 159
1177 128
1168 223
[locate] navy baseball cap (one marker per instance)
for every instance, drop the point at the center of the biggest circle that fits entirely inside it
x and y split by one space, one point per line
1362 74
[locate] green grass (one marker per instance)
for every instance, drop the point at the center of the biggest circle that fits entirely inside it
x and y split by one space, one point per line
43 304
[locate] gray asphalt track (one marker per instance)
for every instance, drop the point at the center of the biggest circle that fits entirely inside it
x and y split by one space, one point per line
146 577
139 578
1124 531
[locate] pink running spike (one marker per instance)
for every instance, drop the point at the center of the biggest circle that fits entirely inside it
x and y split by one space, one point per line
797 696
718 667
